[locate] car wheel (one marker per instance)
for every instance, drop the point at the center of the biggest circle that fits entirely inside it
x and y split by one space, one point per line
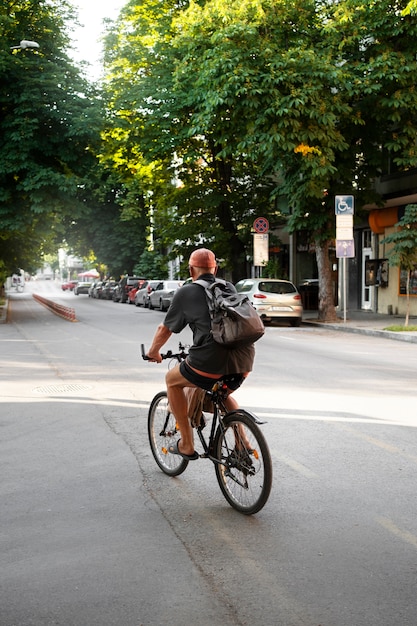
296 322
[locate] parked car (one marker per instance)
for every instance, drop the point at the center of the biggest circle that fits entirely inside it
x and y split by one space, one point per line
309 292
98 289
82 288
91 290
108 290
124 285
273 299
131 294
69 286
142 294
161 296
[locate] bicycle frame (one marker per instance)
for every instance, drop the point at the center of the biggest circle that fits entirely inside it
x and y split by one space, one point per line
218 395
234 443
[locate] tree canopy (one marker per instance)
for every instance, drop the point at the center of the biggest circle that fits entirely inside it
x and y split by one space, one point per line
243 102
49 125
211 112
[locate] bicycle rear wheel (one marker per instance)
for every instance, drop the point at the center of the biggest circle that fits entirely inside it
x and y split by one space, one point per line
245 471
162 432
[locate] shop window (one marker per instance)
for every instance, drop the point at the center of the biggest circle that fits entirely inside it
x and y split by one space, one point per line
413 282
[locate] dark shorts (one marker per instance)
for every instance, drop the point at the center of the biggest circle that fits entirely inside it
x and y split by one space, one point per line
233 381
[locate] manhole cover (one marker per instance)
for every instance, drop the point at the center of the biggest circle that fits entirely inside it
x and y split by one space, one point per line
61 388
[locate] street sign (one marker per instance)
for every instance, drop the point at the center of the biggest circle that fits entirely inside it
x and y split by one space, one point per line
345 249
260 249
344 227
344 205
261 225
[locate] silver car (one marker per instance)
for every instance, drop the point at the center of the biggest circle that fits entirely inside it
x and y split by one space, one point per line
273 299
142 294
161 296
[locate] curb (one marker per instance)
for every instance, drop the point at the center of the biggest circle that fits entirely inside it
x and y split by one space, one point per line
372 332
66 312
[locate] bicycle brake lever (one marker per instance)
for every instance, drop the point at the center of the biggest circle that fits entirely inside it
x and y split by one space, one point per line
144 355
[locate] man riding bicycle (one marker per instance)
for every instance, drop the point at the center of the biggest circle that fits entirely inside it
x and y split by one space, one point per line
207 361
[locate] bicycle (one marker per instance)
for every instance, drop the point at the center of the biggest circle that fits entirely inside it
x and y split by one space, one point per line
244 473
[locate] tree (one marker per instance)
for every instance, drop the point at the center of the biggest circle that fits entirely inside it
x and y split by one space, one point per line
49 128
242 102
216 193
403 253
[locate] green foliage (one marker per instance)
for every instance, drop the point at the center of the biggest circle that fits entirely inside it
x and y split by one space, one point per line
152 265
242 102
48 122
403 252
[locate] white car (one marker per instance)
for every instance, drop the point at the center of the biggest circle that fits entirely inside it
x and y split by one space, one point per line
161 296
273 299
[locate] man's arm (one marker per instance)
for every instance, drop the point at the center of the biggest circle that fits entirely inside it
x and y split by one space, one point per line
161 336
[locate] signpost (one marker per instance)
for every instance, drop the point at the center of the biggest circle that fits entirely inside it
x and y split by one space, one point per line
345 244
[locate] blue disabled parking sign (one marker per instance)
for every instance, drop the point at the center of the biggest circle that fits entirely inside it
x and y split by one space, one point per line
344 205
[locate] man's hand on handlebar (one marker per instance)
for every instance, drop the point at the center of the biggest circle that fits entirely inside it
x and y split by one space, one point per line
154 357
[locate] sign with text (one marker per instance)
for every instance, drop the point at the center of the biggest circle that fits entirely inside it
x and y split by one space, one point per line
260 249
344 226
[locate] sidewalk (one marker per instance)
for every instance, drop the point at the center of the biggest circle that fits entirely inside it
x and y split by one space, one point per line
366 323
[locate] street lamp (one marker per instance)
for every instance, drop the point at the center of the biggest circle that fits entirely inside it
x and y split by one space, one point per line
24 44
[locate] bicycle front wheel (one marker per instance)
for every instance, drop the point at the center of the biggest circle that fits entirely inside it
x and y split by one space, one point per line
245 471
163 431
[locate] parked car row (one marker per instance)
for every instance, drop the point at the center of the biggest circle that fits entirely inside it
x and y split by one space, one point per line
272 298
155 294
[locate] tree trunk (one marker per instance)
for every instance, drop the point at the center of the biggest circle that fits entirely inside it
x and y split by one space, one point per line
326 308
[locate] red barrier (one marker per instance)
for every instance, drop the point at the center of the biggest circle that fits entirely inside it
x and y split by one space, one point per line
66 312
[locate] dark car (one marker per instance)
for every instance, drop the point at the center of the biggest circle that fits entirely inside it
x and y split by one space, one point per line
108 290
98 289
124 286
309 291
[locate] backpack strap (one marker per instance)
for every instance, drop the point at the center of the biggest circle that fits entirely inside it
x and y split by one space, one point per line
207 284
208 287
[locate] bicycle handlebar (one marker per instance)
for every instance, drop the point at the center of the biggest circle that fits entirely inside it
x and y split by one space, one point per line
180 356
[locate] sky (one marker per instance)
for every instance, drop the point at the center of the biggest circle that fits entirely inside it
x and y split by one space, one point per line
86 39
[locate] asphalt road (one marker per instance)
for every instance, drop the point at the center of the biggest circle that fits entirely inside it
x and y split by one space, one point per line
92 533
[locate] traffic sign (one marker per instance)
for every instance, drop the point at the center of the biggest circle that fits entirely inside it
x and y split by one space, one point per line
344 205
344 226
261 225
260 249
345 249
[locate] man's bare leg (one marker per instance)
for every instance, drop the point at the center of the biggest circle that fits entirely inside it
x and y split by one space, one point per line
179 406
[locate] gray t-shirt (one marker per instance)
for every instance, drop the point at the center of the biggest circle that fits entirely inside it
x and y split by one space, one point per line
189 307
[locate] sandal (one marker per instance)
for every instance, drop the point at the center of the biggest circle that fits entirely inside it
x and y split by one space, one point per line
173 449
